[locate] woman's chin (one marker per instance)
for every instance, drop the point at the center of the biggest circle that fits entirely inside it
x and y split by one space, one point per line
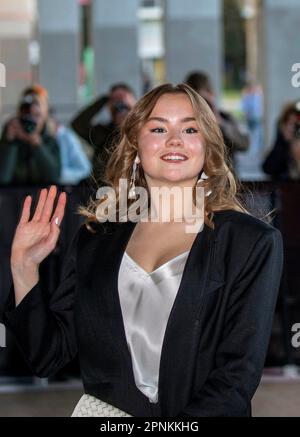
174 180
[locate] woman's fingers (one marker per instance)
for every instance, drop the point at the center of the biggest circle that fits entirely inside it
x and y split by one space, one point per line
53 236
26 210
48 206
60 209
40 205
44 207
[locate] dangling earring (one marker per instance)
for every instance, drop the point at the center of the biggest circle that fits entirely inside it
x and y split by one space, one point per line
202 178
132 193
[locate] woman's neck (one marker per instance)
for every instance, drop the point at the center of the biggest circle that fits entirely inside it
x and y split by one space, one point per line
175 204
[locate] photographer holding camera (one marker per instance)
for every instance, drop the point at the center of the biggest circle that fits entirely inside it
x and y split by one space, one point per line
102 136
28 153
236 139
283 162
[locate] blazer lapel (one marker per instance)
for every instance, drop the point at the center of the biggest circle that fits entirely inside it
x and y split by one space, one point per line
180 341
109 253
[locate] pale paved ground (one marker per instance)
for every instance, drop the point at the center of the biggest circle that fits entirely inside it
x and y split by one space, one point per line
272 399
277 399
39 404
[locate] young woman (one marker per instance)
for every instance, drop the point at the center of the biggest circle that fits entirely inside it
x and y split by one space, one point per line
165 322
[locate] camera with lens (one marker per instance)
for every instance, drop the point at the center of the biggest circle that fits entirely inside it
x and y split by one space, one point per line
120 107
27 122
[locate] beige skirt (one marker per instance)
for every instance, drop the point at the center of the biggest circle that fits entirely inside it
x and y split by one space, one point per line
89 406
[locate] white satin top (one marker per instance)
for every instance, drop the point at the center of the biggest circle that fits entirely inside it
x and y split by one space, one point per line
146 301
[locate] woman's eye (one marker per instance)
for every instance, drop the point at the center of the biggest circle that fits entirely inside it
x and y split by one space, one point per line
191 130
157 129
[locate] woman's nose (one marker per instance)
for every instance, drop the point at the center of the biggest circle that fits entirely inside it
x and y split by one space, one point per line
175 140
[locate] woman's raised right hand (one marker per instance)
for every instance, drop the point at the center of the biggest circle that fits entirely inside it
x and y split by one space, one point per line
35 239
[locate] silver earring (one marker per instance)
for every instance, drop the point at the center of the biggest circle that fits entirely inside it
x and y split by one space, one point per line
132 193
203 177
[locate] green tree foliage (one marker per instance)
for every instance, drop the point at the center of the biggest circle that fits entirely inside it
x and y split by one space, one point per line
234 44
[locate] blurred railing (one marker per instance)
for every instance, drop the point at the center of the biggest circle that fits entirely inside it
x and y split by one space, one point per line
260 198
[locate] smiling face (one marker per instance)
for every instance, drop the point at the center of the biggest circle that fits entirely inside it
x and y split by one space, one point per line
170 144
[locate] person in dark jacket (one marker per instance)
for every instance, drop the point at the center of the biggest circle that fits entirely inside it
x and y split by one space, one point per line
235 139
283 161
102 136
167 321
29 154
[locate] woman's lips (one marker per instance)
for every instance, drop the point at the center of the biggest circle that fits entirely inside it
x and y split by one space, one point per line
174 157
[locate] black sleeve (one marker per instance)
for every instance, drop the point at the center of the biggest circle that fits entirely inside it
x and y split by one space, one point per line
82 123
8 157
242 350
43 326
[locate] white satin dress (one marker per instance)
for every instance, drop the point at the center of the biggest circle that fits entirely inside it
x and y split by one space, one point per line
146 301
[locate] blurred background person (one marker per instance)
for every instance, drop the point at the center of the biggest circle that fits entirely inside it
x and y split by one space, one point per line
29 154
101 136
283 161
252 106
235 139
75 165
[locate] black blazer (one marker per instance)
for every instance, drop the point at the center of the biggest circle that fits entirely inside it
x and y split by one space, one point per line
217 333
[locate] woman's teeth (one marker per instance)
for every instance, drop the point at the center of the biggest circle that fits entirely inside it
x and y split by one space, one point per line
173 158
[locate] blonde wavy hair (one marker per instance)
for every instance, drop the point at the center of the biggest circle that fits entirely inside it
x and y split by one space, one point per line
221 181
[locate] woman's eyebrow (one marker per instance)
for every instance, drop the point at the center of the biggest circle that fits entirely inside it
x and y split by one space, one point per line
165 120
